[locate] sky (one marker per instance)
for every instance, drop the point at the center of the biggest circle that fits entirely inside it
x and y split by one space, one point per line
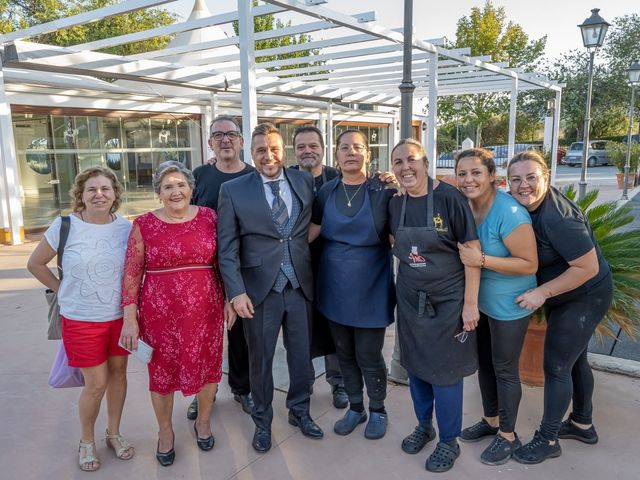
558 19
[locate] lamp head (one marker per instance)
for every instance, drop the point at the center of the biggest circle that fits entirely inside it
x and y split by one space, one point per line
593 30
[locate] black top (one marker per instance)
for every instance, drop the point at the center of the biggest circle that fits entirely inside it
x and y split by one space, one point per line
208 182
563 234
328 173
379 196
452 219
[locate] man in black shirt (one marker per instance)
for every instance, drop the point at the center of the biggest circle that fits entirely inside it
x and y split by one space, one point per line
225 139
308 146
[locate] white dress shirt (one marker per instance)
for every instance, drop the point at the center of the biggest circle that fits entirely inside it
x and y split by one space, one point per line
285 191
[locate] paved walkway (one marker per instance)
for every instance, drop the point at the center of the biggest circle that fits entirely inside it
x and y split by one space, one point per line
40 427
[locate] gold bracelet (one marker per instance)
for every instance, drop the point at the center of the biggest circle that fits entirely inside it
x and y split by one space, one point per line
484 259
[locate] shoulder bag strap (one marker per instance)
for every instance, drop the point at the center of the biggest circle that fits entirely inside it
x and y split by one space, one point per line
64 234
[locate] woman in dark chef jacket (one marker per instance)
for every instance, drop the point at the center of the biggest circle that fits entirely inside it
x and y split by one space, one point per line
437 300
355 279
575 288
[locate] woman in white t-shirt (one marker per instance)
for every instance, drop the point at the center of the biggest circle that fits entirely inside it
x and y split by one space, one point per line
89 299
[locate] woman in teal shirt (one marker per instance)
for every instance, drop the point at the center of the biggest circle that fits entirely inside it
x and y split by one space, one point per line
508 260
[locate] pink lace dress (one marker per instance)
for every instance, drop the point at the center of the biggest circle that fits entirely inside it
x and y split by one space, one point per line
172 275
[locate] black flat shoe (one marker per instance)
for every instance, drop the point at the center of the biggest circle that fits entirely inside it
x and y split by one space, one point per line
261 440
245 401
166 458
192 411
306 425
204 444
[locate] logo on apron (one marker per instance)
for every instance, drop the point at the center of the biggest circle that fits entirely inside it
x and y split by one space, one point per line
438 223
415 259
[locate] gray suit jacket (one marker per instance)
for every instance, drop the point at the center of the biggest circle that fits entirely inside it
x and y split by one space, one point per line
249 245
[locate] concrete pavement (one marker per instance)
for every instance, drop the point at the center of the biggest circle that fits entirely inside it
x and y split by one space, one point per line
40 427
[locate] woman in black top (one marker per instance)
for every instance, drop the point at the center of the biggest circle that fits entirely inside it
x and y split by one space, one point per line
355 279
575 289
437 300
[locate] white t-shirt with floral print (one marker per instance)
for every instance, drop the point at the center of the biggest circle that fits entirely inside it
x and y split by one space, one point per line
92 263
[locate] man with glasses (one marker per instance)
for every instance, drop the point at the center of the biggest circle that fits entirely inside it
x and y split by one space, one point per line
225 139
308 147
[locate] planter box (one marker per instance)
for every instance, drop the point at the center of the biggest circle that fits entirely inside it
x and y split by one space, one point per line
532 355
630 183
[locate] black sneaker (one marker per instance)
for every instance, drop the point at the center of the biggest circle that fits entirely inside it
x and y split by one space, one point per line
478 431
499 450
568 429
537 450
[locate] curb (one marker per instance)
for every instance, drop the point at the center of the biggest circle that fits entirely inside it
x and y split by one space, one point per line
609 364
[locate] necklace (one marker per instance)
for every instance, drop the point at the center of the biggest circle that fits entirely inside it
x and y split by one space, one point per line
352 196
175 219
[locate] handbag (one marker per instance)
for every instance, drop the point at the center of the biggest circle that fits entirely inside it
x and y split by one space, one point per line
62 375
54 332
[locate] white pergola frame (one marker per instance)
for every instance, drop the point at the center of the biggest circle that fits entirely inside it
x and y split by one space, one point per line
362 64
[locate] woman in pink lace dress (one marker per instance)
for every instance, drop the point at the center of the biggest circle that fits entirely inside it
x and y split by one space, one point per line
173 300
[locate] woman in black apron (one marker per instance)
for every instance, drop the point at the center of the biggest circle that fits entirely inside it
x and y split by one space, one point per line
355 280
437 300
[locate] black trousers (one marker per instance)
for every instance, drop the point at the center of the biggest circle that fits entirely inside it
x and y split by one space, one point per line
291 311
567 374
359 352
499 346
238 356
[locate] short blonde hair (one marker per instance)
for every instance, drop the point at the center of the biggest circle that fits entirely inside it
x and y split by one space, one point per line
81 179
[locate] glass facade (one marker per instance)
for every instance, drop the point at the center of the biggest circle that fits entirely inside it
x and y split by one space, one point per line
52 148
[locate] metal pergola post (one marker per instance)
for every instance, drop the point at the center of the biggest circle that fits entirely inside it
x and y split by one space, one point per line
407 87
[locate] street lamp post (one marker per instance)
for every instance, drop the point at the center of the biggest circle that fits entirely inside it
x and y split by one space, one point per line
407 87
593 31
457 106
634 81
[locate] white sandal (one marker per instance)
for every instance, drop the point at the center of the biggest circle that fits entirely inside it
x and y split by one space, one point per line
121 451
88 458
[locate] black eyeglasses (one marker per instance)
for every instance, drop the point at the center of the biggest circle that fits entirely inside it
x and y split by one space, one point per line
232 135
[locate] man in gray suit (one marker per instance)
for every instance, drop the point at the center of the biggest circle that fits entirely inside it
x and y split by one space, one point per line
263 253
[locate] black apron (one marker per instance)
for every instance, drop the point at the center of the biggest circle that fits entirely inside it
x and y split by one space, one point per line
430 296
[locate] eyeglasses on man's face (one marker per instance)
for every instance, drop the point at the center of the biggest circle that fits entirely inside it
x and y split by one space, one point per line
531 180
232 135
357 147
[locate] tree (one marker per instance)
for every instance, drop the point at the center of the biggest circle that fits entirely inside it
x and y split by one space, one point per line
622 47
18 14
486 32
267 23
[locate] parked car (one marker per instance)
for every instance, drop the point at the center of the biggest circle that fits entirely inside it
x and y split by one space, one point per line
596 155
500 151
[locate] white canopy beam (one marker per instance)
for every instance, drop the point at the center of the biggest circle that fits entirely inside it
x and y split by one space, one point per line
513 106
82 19
432 121
248 74
12 224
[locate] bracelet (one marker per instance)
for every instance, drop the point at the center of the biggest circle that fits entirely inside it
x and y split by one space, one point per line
483 261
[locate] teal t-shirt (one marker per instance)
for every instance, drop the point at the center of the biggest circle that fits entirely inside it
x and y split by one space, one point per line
498 291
